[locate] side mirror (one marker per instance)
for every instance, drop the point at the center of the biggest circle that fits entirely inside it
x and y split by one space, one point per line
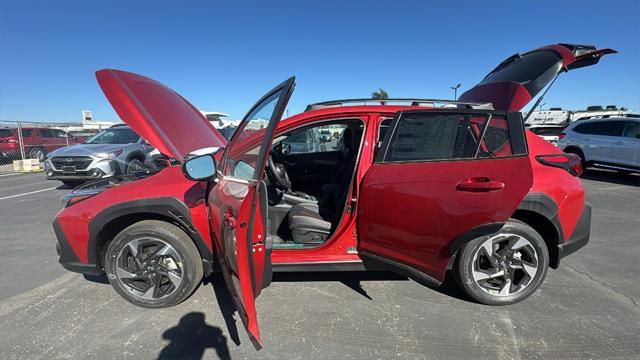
199 168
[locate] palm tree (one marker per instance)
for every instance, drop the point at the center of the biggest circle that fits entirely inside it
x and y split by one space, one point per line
380 95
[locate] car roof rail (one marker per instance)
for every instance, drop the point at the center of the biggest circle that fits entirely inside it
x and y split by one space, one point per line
118 125
435 103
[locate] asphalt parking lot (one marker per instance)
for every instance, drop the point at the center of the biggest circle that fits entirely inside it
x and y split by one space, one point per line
589 308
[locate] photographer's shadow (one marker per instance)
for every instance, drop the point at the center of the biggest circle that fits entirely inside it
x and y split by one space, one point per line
191 337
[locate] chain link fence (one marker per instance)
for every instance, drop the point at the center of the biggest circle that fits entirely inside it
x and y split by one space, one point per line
24 140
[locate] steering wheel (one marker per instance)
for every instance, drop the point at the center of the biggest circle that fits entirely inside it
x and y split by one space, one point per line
278 174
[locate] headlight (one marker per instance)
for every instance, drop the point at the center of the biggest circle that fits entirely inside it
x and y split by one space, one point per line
110 155
76 196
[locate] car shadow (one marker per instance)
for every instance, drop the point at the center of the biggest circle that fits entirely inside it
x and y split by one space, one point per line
351 279
191 337
611 176
225 303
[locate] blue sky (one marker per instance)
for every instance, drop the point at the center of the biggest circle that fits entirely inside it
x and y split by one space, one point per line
223 55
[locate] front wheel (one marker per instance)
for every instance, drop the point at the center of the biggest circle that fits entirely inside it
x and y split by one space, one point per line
153 264
136 166
505 267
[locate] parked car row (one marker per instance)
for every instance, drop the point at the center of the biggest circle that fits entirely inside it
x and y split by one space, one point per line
37 142
416 188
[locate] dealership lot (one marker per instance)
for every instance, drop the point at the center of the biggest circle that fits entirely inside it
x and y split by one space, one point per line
589 308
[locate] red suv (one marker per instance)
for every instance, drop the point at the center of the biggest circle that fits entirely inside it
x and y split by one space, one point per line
415 186
38 142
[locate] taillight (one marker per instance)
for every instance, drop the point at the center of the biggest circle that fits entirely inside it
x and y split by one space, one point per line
570 162
561 136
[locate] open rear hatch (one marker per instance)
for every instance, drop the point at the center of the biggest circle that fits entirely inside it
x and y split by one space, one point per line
519 78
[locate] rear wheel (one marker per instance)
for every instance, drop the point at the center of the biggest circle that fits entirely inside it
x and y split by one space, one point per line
37 153
153 264
505 267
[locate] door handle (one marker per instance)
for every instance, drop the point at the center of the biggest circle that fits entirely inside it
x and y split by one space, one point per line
479 184
617 142
230 220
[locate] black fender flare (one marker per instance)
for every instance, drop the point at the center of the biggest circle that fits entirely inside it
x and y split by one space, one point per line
535 202
169 207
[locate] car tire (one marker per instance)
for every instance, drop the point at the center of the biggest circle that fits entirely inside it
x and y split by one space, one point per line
135 166
153 264
503 268
37 153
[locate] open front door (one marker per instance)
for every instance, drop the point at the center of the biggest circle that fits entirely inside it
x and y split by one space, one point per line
238 206
439 175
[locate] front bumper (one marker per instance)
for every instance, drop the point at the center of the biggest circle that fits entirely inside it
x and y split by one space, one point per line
98 169
580 236
68 258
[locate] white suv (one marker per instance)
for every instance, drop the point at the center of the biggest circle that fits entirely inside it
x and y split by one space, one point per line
611 143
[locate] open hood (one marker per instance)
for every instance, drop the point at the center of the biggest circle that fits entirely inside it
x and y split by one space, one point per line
158 114
518 79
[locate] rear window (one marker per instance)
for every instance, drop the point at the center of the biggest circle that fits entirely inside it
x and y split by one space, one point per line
533 70
426 137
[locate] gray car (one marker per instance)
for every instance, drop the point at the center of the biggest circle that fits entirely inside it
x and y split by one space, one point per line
610 143
114 151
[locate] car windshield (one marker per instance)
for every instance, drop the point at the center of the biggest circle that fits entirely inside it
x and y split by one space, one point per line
115 136
547 130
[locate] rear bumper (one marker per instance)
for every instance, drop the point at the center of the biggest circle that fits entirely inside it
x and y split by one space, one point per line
68 258
580 236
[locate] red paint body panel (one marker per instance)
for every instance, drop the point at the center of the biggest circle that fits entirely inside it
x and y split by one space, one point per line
169 182
411 212
158 114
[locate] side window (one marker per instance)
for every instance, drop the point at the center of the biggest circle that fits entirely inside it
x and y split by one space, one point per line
632 130
583 129
495 142
59 133
607 128
382 129
446 136
316 139
45 133
26 133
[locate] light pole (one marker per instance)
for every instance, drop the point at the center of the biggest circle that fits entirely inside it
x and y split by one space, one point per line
541 105
455 91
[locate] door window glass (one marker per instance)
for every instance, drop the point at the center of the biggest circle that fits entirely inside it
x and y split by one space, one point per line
632 130
424 136
45 133
26 133
247 141
607 128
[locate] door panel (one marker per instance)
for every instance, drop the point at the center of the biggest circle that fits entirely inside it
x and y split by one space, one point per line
599 147
411 211
237 206
626 149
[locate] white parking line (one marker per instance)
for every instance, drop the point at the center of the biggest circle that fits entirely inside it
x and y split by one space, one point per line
9 174
27 193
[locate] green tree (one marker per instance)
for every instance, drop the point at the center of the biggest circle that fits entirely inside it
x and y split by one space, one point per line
380 95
